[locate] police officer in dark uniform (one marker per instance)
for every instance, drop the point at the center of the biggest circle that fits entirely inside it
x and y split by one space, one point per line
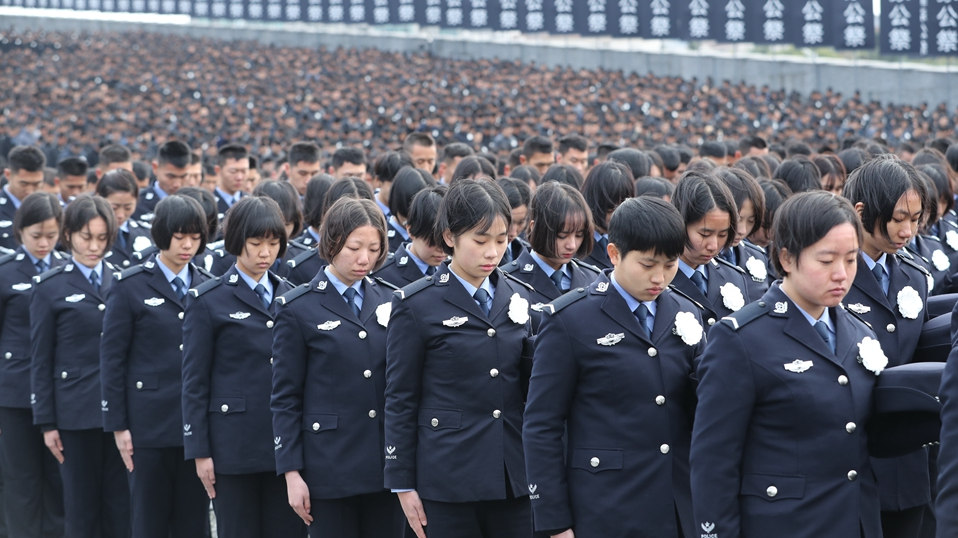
608 424
419 257
119 188
607 185
24 174
140 371
66 320
227 367
454 369
329 375
170 170
779 442
750 203
33 495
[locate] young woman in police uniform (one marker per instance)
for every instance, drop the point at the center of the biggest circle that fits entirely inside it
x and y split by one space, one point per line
329 346
454 371
141 362
32 494
779 442
66 320
227 371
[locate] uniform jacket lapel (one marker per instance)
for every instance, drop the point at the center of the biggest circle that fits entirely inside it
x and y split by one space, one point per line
865 281
685 285
457 295
243 292
502 296
159 283
616 308
799 329
666 308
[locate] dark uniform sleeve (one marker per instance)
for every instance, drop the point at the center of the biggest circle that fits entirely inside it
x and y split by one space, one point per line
286 402
43 338
946 507
405 352
551 390
114 352
198 349
726 396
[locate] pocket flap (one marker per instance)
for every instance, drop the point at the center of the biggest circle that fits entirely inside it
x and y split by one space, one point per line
227 406
596 460
320 423
773 487
440 419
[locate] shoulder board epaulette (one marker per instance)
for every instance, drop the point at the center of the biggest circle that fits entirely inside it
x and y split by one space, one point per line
517 281
912 254
386 283
206 286
510 267
6 258
564 300
216 244
292 294
588 266
297 244
302 256
931 238
141 255
729 265
52 272
912 263
746 315
130 272
857 316
390 259
6 251
204 272
413 288
684 295
753 246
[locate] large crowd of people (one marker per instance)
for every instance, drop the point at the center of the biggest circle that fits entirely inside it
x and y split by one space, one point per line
483 299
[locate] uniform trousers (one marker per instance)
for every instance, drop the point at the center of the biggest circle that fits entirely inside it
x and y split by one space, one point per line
33 496
374 515
167 498
505 518
96 494
254 505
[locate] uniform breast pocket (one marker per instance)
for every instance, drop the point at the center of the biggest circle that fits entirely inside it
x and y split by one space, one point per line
440 419
773 488
144 382
317 424
227 406
596 460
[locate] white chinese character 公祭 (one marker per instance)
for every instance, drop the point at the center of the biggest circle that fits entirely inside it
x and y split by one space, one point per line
628 24
773 9
433 13
597 22
947 41
899 16
699 27
947 17
564 23
735 30
661 26
813 33
854 14
735 10
255 10
661 7
899 39
774 29
699 8
812 11
357 11
628 6
315 11
854 36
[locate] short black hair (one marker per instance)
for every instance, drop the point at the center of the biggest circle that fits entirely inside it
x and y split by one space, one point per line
852 158
647 224
142 170
638 162
573 141
26 158
699 192
208 204
348 155
604 149
113 153
344 217
231 152
939 178
754 165
798 149
744 187
746 143
178 214
454 150
422 213
473 167
517 191
316 190
536 144
470 204
554 206
80 212
174 153
417 138
714 149
526 173
562 173
656 187
300 152
388 165
776 192
607 185
878 185
288 199
670 157
951 155
253 217
72 166
804 219
117 180
406 184
800 174
350 187
34 209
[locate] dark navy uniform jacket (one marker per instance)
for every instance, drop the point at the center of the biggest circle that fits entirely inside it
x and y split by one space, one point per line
394 237
599 257
727 290
138 239
946 506
625 402
16 287
329 380
454 395
7 212
145 204
66 320
753 261
516 247
399 269
928 251
223 261
779 446
304 266
544 290
141 356
227 375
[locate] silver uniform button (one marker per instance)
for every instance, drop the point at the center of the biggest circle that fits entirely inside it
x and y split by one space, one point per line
850 427
711 321
224 408
362 335
180 315
139 384
101 306
492 373
890 328
594 462
271 361
269 324
8 355
434 422
653 352
372 413
367 373
660 400
852 475
63 374
181 347
496 414
771 491
842 380
491 332
315 426
664 449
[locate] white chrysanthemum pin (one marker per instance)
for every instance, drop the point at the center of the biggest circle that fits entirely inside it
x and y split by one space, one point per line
909 303
871 356
518 309
382 313
688 328
732 297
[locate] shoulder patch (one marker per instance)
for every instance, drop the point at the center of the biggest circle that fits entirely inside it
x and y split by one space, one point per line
4 251
6 258
206 286
216 244
729 265
51 273
292 294
203 271
685 296
296 244
141 255
517 281
753 246
746 315
586 266
383 282
126 273
510 267
912 263
303 256
415 287
390 259
564 300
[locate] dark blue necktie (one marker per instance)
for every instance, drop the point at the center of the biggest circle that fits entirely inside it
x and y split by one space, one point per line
557 279
642 314
430 270
822 330
728 255
121 239
603 244
485 301
350 295
42 266
263 295
95 280
507 255
699 280
881 276
179 287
